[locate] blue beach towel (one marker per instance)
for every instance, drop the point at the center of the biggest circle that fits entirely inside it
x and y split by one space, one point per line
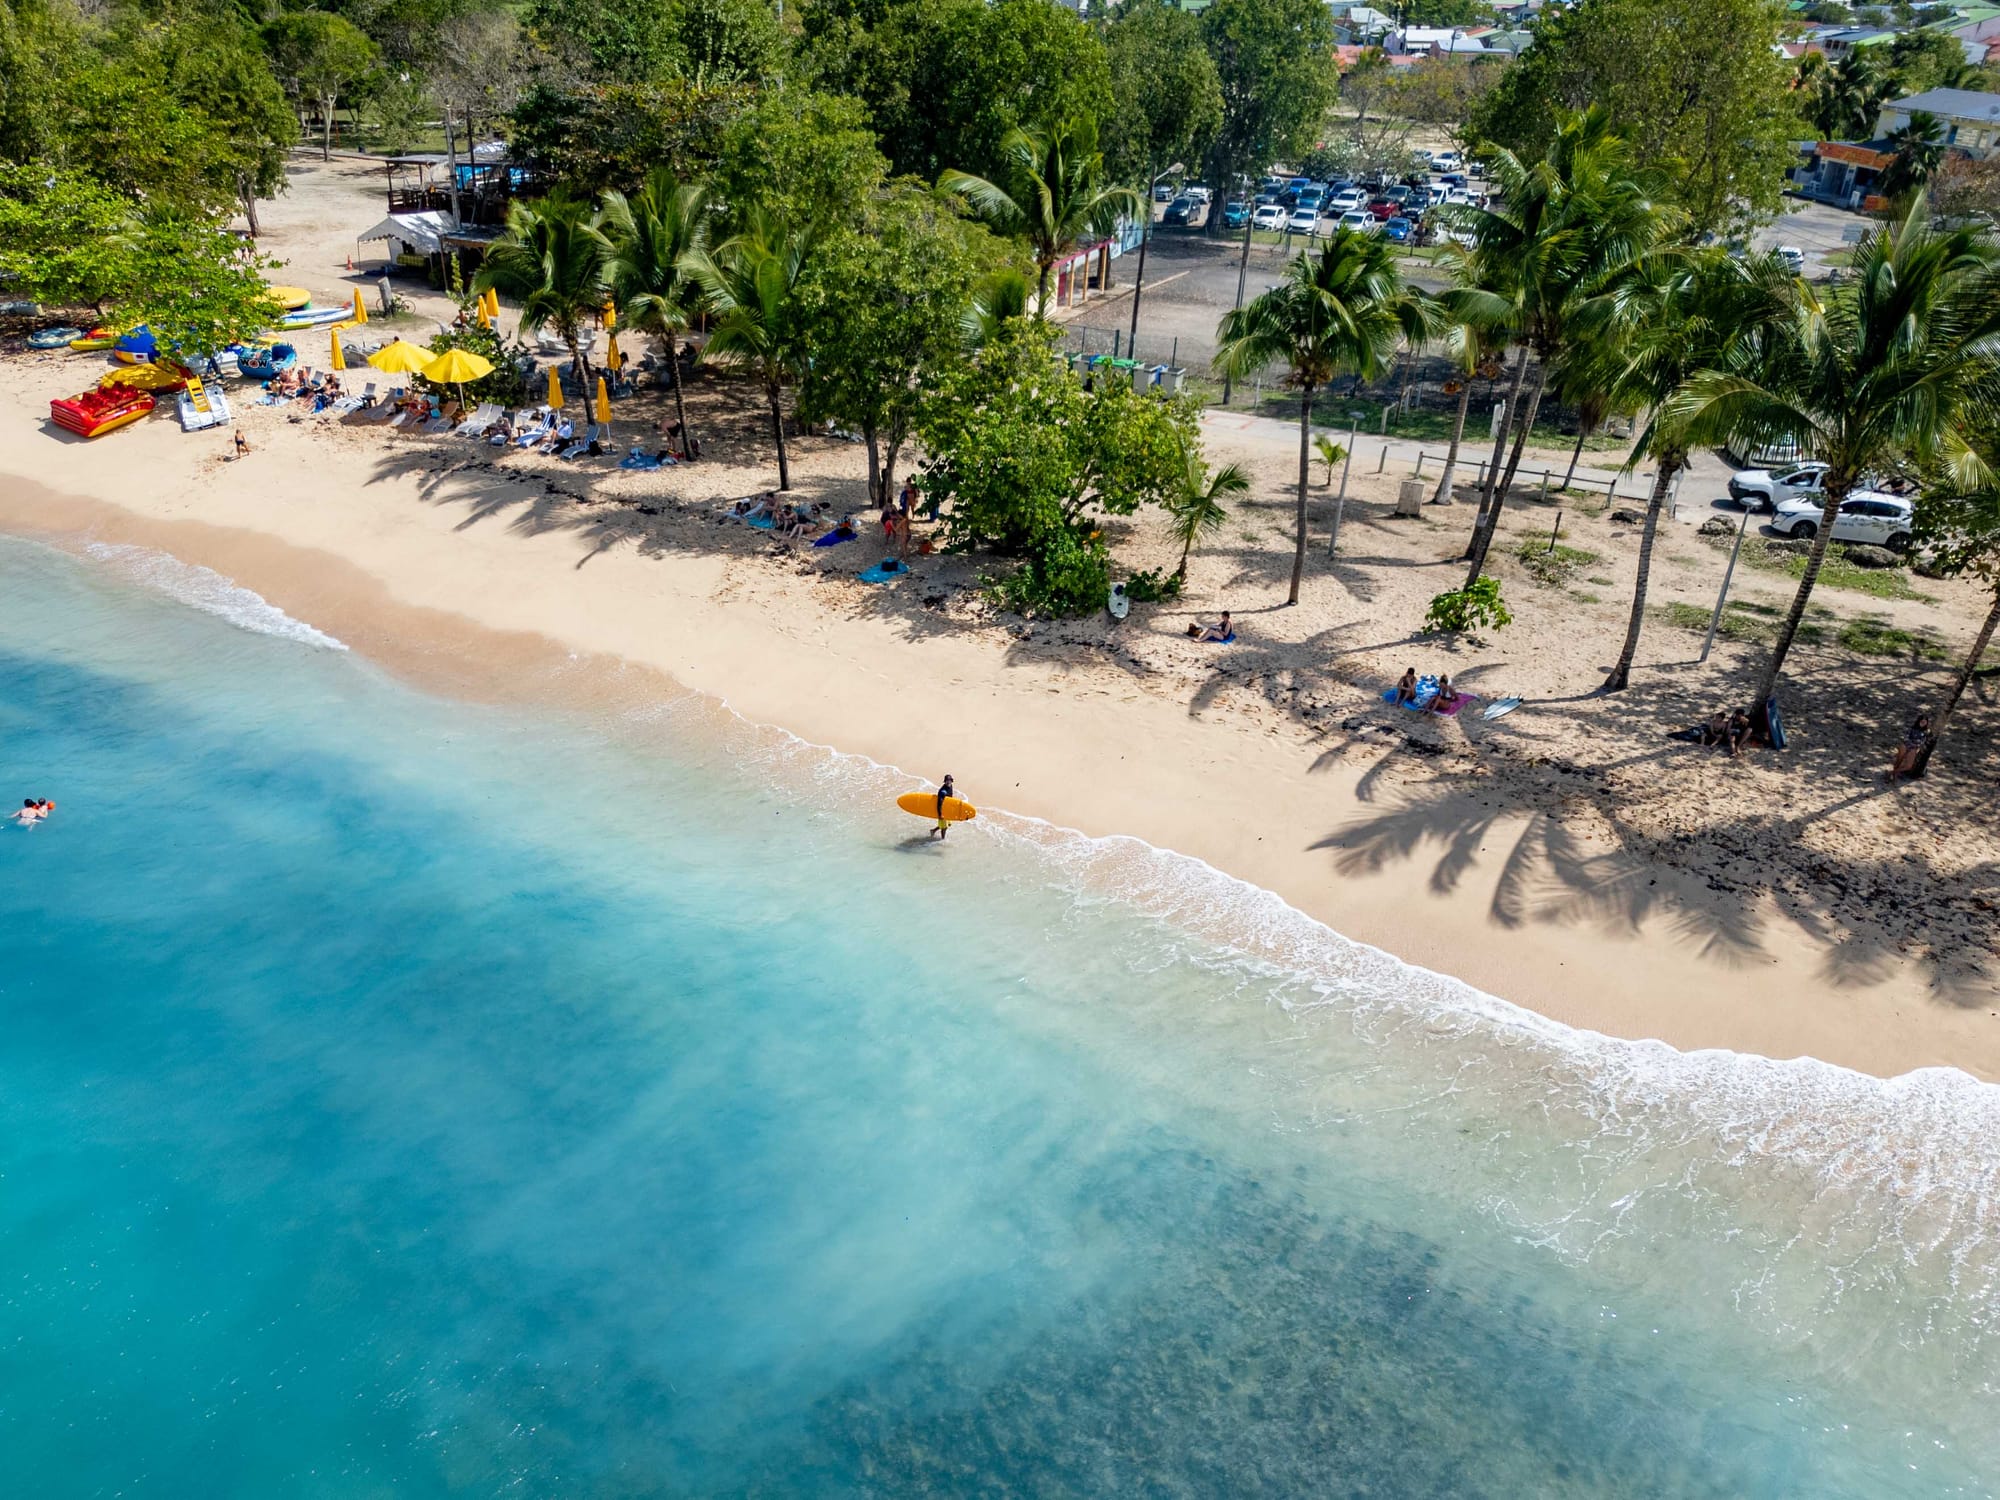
1427 688
836 536
883 571
762 523
638 461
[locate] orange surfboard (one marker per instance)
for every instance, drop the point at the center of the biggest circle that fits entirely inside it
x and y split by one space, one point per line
925 805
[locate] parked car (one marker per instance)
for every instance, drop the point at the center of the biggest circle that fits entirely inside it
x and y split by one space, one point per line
1346 199
1268 216
1444 161
1311 197
1303 221
1865 516
1794 259
1180 211
1399 229
1235 213
1453 179
1766 489
1384 208
1399 193
1199 192
1163 192
1359 221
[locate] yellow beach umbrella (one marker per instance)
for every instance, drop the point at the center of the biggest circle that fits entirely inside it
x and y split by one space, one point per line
555 388
457 366
493 302
610 315
603 403
360 307
339 360
613 360
399 358
485 318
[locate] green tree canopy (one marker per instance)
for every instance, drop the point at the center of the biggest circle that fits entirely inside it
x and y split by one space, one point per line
1698 87
1275 61
945 80
1166 93
710 43
884 306
1024 452
319 58
801 156
595 137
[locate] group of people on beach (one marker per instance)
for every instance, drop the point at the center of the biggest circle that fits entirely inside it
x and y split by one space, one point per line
1446 700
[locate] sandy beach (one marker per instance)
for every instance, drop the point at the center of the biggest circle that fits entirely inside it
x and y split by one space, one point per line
1570 858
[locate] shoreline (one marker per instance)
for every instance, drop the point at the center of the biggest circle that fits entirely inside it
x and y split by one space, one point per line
491 611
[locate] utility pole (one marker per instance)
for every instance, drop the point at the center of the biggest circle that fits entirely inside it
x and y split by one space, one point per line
1242 269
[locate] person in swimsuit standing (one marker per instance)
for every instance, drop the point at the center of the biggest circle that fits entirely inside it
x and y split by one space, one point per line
944 791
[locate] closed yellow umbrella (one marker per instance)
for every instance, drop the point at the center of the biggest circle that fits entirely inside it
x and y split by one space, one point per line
399 358
555 388
603 403
360 307
485 320
613 360
492 300
610 315
339 360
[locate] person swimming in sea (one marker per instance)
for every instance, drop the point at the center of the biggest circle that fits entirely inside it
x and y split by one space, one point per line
33 811
944 791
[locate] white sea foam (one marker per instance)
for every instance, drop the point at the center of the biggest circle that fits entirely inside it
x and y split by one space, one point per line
209 591
1846 1199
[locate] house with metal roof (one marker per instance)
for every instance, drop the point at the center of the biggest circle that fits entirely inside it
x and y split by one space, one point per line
1971 119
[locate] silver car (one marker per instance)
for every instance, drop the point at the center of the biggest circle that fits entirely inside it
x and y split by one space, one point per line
1864 516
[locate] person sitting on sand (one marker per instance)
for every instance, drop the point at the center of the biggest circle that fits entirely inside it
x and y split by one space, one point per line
1716 730
1406 688
1445 697
1737 734
1910 754
1219 632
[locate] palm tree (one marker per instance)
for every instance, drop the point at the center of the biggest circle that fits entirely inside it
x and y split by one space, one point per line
554 259
1668 319
652 235
1475 340
1564 228
1918 151
1970 527
1344 311
1891 366
747 284
1052 193
999 296
1194 508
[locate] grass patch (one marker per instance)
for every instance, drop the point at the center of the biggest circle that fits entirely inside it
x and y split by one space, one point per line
1752 624
1603 583
1871 635
1552 566
1836 572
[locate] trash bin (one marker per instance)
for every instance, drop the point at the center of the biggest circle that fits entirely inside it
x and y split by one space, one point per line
1410 497
1170 380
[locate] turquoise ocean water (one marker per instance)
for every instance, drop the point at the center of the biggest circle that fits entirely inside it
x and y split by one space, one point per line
403 1098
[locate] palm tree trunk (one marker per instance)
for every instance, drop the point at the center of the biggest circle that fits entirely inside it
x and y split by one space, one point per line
680 407
1305 473
1443 495
1575 453
1187 547
326 127
247 191
1621 674
1139 278
778 431
1964 676
1483 540
1042 289
1837 487
1499 449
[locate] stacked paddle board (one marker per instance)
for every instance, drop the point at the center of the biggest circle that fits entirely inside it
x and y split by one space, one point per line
201 407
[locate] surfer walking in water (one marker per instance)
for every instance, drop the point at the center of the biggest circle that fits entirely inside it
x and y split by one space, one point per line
943 792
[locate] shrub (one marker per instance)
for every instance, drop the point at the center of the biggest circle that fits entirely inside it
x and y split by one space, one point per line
1068 575
1152 586
1468 609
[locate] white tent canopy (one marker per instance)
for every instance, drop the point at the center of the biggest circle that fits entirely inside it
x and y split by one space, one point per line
418 233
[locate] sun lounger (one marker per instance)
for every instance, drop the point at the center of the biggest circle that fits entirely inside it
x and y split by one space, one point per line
484 417
444 420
